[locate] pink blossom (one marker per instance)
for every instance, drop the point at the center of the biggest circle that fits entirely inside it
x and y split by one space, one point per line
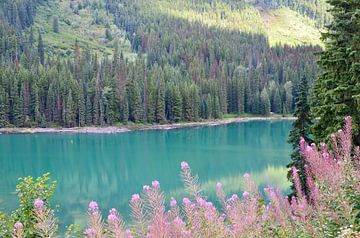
146 187
173 202
200 201
113 218
18 225
246 176
93 207
218 185
155 184
186 201
89 232
39 203
233 198
184 165
246 194
302 140
309 149
135 198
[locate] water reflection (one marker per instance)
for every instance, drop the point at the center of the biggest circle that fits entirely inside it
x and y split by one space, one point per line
109 168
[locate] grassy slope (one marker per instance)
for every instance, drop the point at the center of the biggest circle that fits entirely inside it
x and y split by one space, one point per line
280 25
80 27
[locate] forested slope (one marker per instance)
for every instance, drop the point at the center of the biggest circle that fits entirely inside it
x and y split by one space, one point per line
76 71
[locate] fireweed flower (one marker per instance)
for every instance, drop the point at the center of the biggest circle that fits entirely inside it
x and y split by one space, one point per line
38 204
18 225
246 194
218 185
184 165
246 176
146 187
155 184
186 201
89 232
173 202
93 207
135 198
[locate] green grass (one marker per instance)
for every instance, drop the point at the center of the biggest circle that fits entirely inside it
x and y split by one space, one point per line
79 27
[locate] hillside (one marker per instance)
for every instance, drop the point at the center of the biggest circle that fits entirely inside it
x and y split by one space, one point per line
84 21
281 25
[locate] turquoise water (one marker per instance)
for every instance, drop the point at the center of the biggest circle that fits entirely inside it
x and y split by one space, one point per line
109 168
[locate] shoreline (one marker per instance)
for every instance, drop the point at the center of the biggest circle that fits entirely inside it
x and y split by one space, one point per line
128 128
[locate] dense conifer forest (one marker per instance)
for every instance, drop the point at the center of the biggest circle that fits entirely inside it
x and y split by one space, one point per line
183 71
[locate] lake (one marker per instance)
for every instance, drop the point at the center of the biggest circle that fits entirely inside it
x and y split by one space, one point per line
109 168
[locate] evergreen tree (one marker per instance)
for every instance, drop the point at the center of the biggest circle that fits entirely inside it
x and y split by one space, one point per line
69 113
81 107
336 91
41 52
55 24
264 103
177 105
3 114
301 128
160 103
89 114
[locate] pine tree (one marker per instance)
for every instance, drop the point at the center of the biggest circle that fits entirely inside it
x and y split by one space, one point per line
56 24
264 103
41 52
89 111
336 91
160 103
69 113
177 105
81 107
301 128
3 114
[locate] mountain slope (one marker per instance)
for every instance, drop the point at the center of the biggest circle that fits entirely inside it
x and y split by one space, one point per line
281 25
87 23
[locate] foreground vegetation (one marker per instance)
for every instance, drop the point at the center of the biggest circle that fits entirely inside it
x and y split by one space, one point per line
331 208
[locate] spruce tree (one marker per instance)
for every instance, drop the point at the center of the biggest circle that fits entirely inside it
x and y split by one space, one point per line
301 127
3 114
81 107
56 24
160 103
41 52
336 91
264 107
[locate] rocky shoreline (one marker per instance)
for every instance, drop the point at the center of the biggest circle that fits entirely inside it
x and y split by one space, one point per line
127 128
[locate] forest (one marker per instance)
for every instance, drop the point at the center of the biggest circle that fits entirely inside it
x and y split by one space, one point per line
184 71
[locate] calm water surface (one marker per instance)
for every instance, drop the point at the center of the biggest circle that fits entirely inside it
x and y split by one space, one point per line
109 168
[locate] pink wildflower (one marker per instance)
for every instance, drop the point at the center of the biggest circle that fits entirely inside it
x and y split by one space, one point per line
173 202
246 176
93 207
89 232
18 225
146 187
186 201
39 203
246 194
155 184
218 185
135 198
184 165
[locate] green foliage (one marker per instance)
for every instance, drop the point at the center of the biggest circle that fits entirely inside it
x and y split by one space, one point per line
28 190
336 91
